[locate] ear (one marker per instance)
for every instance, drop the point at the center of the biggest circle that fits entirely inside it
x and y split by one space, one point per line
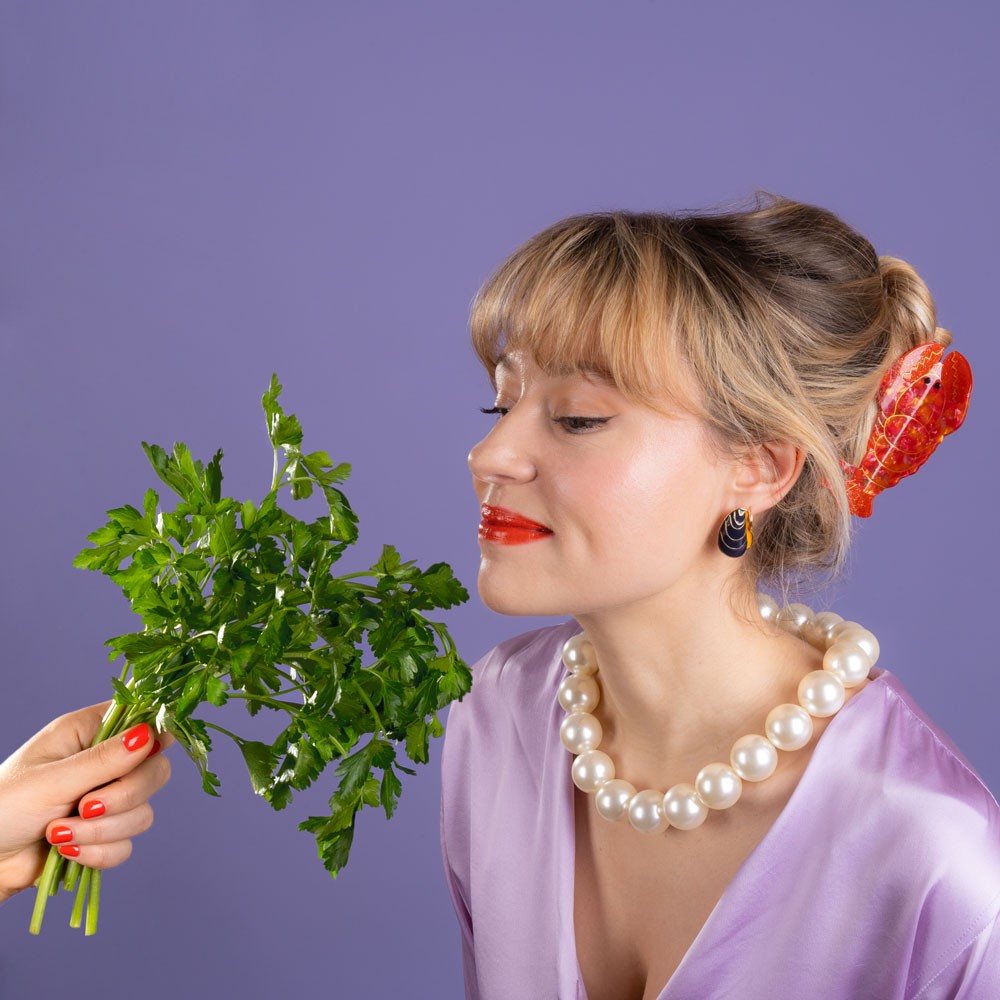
765 474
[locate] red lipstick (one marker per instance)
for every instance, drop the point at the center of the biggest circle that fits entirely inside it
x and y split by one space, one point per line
507 527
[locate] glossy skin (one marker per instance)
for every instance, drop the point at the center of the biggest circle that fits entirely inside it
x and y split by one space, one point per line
56 789
922 399
633 498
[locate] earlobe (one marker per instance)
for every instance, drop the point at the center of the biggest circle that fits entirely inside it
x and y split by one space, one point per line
767 473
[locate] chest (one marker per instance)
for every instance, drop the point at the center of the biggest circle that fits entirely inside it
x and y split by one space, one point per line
640 900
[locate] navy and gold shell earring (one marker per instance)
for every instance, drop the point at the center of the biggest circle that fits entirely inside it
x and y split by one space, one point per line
736 533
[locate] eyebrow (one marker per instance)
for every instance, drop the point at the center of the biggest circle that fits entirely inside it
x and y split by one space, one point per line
564 371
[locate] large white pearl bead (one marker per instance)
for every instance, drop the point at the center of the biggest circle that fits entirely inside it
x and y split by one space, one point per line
859 635
816 631
718 786
579 693
821 693
767 606
834 633
580 732
683 808
794 616
592 769
613 797
753 757
578 654
645 811
848 661
788 727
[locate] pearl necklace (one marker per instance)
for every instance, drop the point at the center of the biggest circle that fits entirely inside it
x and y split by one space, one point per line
850 651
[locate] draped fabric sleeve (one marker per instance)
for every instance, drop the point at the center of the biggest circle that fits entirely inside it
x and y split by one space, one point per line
507 823
464 918
454 827
975 973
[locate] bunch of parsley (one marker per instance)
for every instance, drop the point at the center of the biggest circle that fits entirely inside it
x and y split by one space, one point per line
239 604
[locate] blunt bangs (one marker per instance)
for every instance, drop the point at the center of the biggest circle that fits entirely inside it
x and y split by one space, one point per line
592 294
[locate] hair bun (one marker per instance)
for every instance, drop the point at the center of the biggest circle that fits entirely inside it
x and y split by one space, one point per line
942 336
913 319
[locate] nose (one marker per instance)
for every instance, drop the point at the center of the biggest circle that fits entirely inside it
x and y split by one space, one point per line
502 457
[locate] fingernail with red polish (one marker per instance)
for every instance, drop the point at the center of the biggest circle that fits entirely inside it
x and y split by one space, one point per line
156 748
70 851
136 738
60 835
95 807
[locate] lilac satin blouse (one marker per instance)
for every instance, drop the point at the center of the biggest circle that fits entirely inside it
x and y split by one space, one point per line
903 902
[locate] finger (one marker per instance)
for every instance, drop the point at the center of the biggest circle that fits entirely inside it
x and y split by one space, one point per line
128 792
66 735
115 757
99 855
106 830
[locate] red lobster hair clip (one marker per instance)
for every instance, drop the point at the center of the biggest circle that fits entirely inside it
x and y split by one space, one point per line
921 400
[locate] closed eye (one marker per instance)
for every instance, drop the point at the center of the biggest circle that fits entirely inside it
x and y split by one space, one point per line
498 410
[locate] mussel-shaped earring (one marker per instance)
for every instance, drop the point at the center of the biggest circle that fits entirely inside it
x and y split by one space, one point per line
736 533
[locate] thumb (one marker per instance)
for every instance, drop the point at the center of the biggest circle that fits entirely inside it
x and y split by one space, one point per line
70 778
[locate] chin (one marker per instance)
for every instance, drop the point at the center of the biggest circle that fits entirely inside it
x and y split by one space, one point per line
505 604
509 600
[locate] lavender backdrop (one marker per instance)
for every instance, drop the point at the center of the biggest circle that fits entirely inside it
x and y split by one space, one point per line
195 194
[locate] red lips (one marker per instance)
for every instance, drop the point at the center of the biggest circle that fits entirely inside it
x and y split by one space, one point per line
507 527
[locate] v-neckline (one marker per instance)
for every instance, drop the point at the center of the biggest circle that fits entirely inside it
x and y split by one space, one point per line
749 862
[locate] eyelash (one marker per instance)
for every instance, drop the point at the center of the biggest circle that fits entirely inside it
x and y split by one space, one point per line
573 425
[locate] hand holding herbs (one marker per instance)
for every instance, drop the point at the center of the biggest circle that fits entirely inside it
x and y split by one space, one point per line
239 603
43 782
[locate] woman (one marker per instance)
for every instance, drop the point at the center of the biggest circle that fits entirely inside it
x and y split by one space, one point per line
670 388
89 801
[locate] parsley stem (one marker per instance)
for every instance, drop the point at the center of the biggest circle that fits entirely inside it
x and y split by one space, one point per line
93 902
236 739
73 870
57 878
290 708
374 711
291 690
239 741
442 634
364 588
288 677
111 719
296 686
81 897
44 889
276 478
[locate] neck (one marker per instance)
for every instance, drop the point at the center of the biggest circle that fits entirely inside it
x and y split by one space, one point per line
683 676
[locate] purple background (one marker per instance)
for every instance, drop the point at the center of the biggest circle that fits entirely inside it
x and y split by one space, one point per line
193 195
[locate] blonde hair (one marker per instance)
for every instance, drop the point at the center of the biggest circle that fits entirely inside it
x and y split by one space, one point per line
775 322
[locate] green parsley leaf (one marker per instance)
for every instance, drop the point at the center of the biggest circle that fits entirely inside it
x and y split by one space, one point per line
239 605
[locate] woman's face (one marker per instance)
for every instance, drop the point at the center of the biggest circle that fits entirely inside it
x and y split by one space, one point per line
626 500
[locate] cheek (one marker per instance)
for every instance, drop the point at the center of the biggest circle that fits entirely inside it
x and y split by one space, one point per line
652 509
656 488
